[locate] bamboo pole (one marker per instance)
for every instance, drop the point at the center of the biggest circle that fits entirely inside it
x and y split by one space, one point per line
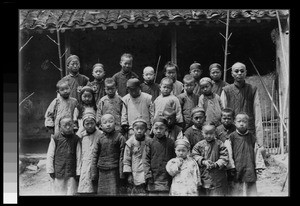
174 46
156 72
226 47
272 113
26 98
59 54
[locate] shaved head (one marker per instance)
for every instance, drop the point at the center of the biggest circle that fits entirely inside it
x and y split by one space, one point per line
148 69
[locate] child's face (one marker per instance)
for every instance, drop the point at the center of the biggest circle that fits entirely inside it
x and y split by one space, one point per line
196 73
166 88
189 86
64 90
241 123
171 118
74 66
126 64
66 126
206 88
89 125
181 151
209 132
98 73
110 90
215 74
108 123
226 119
198 119
171 73
86 97
239 73
139 129
134 92
159 129
148 76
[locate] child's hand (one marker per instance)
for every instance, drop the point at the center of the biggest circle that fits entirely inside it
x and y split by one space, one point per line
130 179
180 162
52 175
50 130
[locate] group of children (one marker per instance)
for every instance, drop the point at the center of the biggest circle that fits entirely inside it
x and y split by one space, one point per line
118 136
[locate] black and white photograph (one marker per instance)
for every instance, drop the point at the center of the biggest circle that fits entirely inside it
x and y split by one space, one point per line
154 102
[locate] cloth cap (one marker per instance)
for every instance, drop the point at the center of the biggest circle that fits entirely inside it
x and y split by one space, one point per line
183 142
133 83
160 119
89 113
205 79
196 110
139 120
195 65
72 57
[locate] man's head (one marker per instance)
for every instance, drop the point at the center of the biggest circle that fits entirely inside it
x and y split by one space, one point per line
239 72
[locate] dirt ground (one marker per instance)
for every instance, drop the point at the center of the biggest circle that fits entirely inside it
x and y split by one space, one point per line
35 183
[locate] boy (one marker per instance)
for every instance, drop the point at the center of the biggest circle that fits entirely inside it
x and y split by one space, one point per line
188 100
215 72
63 158
212 158
98 83
76 80
158 151
243 143
62 105
137 104
166 99
243 97
171 71
107 158
149 86
196 70
210 102
122 76
194 133
133 163
111 103
174 131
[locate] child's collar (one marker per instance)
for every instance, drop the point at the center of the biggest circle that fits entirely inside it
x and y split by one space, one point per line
194 127
242 133
74 75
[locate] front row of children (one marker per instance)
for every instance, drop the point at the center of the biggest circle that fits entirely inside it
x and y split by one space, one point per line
206 160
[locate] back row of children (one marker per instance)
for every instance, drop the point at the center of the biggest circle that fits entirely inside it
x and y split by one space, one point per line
119 145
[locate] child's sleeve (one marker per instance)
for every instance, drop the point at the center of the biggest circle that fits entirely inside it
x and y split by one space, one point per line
147 160
179 116
196 172
127 159
196 154
99 112
50 114
223 155
200 102
223 99
122 145
95 155
151 111
124 117
50 156
78 157
228 145
172 167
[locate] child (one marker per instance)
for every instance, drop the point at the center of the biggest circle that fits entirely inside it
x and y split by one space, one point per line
107 158
196 70
158 152
194 133
86 102
173 130
122 76
137 104
243 144
243 97
133 153
111 103
149 86
171 71
184 170
212 158
98 83
88 138
76 80
63 158
166 99
188 100
215 72
62 105
210 102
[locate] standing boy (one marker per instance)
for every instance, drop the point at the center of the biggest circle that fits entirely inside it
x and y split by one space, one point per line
98 83
122 76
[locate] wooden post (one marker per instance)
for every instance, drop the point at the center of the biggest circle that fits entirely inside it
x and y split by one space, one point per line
174 46
67 49
226 47
59 54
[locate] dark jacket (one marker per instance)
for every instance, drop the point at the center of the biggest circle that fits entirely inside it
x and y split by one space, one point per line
152 89
157 154
223 133
121 79
193 135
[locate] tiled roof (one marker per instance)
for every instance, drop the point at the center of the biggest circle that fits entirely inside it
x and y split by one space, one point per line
72 19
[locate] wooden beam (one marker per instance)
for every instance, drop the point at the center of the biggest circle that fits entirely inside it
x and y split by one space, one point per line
174 45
